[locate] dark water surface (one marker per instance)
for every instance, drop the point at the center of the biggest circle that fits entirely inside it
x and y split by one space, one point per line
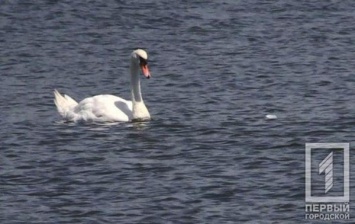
209 155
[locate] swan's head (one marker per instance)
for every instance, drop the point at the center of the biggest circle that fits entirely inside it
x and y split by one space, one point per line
140 58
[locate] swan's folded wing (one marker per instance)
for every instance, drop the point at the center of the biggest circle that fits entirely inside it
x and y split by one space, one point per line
104 108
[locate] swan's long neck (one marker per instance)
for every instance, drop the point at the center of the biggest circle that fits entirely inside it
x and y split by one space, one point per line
139 110
135 84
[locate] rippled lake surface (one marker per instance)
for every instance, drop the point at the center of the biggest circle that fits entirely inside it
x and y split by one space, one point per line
209 155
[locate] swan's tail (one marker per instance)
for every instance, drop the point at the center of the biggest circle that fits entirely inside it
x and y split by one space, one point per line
65 104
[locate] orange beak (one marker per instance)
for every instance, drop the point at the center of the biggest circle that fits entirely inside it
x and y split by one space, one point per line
145 71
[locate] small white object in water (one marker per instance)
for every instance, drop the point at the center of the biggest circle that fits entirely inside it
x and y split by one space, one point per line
271 116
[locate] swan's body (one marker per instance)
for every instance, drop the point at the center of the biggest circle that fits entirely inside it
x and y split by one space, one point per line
109 108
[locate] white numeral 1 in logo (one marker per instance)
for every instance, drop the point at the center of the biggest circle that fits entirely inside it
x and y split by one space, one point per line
326 166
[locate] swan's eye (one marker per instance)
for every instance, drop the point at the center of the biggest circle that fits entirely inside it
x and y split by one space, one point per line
142 61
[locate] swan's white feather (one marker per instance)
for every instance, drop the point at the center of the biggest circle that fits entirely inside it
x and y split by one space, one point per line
64 104
103 108
70 100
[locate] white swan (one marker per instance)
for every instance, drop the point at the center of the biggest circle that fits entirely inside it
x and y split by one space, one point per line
109 108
